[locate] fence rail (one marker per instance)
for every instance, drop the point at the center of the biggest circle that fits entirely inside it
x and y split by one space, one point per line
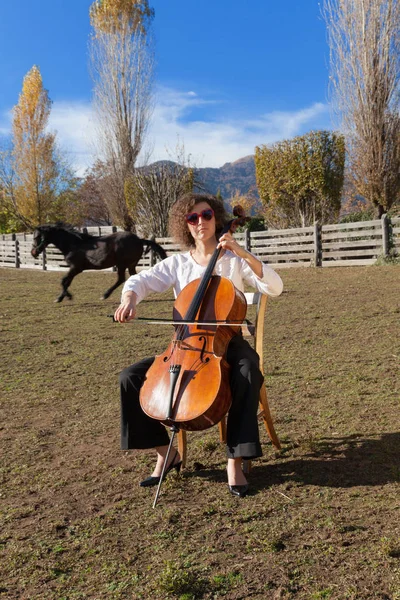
343 244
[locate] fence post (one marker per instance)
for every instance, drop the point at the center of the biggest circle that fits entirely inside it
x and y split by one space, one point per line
44 260
385 235
247 240
317 245
153 258
114 230
17 260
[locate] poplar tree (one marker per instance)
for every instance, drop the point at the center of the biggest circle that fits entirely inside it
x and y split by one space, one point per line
34 150
364 39
121 59
32 174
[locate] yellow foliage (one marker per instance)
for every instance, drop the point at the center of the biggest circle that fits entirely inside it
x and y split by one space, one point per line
246 202
300 180
130 197
109 16
33 108
33 151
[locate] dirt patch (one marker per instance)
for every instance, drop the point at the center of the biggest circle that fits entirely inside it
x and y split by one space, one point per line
323 518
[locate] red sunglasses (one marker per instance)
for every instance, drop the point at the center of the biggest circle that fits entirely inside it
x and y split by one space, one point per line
206 214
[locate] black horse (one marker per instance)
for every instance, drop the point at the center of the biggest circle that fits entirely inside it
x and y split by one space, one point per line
83 251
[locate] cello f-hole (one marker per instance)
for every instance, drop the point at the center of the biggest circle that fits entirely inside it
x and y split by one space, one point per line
203 359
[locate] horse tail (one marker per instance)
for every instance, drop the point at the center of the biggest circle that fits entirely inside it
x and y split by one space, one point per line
151 244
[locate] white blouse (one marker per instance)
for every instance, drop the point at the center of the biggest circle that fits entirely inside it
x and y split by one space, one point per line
180 269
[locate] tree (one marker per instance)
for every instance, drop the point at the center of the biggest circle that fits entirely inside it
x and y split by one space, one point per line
300 180
252 208
91 198
8 221
250 204
121 59
33 175
154 189
365 81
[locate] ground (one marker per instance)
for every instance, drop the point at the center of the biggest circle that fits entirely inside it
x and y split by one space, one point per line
323 517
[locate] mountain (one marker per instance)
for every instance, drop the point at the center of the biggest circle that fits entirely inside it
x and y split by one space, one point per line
239 175
231 177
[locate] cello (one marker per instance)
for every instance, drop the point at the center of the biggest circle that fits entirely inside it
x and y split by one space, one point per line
187 386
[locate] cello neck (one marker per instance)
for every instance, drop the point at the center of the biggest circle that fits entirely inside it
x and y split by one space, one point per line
240 219
205 280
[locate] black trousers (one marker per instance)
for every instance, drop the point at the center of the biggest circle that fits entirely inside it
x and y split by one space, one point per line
140 431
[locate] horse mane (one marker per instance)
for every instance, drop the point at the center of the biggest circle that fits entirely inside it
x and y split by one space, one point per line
67 227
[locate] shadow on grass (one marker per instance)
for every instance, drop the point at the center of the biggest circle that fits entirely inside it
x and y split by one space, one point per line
338 462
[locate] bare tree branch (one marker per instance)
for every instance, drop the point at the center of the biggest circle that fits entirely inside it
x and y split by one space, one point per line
122 63
365 74
154 189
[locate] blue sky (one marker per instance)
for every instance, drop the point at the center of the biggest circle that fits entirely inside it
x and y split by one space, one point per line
230 75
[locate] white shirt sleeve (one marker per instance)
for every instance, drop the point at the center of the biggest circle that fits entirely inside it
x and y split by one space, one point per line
270 283
179 269
157 279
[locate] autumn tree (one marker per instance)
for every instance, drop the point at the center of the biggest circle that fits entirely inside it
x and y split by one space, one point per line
252 208
250 204
8 221
33 176
121 58
300 180
90 195
364 44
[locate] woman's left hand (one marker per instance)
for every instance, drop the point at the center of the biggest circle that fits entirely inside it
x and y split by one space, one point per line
227 242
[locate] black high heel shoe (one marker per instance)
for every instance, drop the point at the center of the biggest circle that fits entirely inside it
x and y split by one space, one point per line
151 481
239 490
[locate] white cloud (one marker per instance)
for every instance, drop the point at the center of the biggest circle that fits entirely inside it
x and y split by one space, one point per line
211 143
74 124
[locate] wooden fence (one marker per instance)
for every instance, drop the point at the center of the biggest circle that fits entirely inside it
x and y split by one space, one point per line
395 235
344 244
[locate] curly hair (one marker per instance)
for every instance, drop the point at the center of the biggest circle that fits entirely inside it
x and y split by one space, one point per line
178 227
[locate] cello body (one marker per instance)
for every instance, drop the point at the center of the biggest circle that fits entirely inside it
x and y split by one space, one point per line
188 384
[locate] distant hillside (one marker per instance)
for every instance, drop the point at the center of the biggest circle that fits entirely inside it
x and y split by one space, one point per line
239 175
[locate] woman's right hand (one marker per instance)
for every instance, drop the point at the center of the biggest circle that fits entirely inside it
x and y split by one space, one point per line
126 311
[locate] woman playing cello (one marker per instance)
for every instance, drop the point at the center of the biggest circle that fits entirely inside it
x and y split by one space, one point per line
195 222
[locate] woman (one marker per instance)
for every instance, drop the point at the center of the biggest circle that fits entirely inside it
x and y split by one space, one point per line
195 222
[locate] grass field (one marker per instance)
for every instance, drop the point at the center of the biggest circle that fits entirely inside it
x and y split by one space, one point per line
323 518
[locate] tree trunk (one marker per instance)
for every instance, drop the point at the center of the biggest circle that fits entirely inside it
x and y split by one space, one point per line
129 224
379 210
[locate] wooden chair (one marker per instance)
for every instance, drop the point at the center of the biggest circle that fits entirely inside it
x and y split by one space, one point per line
255 330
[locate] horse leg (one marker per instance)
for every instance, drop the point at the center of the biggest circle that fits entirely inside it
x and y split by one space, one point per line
132 269
121 279
66 282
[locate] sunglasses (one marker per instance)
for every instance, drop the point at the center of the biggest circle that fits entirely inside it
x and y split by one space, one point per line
206 214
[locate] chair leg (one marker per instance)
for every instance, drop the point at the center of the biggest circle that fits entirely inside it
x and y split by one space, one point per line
182 446
269 426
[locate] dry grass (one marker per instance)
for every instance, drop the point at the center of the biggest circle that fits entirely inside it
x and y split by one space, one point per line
323 519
